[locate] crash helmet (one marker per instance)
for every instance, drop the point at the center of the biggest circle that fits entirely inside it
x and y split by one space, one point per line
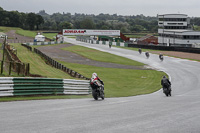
94 75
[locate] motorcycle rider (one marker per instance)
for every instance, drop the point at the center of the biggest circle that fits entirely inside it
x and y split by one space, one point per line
165 83
161 56
94 81
147 54
140 50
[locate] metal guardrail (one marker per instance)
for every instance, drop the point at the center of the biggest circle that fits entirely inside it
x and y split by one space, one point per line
88 40
22 86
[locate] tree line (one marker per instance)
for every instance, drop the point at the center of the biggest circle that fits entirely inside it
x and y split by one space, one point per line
126 24
29 21
59 21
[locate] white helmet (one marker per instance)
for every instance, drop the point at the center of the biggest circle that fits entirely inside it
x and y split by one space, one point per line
94 75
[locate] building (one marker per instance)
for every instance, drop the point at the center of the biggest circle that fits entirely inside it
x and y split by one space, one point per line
176 30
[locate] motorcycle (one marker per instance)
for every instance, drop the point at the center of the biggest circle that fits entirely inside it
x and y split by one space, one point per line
147 54
140 51
167 91
161 57
98 91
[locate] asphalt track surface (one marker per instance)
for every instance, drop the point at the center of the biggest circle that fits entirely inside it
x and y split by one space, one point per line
152 113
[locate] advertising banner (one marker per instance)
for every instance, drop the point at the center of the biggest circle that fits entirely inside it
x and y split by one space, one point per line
91 32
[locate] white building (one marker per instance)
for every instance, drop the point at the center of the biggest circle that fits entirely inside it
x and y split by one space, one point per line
175 30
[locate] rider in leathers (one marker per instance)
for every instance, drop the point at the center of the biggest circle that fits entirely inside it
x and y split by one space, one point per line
165 82
95 81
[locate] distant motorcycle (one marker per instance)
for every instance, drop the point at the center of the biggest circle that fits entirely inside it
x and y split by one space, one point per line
147 54
140 50
167 91
98 92
161 57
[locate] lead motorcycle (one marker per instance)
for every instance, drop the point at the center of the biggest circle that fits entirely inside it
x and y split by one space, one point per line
98 90
167 91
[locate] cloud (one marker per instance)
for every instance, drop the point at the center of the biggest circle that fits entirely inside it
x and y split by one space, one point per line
121 7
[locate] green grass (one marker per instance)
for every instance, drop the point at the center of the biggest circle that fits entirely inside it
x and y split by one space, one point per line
50 35
24 98
26 33
101 56
37 65
196 28
6 29
122 82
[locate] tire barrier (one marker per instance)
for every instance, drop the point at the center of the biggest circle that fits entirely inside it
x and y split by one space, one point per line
21 86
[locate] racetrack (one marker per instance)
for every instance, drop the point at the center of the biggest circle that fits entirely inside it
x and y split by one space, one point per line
152 113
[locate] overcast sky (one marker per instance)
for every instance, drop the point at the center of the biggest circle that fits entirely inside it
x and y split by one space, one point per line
121 7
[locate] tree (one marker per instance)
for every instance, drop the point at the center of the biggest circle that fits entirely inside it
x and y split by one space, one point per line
39 21
1 9
87 23
31 20
137 28
66 25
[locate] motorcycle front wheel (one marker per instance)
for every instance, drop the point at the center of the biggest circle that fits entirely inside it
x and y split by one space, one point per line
94 94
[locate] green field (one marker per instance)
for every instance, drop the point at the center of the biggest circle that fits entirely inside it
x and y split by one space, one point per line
26 32
101 56
37 65
122 82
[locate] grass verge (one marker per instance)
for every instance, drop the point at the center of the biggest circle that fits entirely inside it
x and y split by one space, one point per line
101 56
37 65
122 82
24 98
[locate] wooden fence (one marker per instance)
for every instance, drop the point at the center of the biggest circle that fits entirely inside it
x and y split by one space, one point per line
56 64
13 64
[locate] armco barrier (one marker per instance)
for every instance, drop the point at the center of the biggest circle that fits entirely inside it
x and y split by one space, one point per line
43 43
88 40
23 86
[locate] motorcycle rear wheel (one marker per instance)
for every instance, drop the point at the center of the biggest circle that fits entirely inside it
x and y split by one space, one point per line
102 97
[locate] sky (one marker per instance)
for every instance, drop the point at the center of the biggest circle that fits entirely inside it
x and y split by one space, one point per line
119 7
